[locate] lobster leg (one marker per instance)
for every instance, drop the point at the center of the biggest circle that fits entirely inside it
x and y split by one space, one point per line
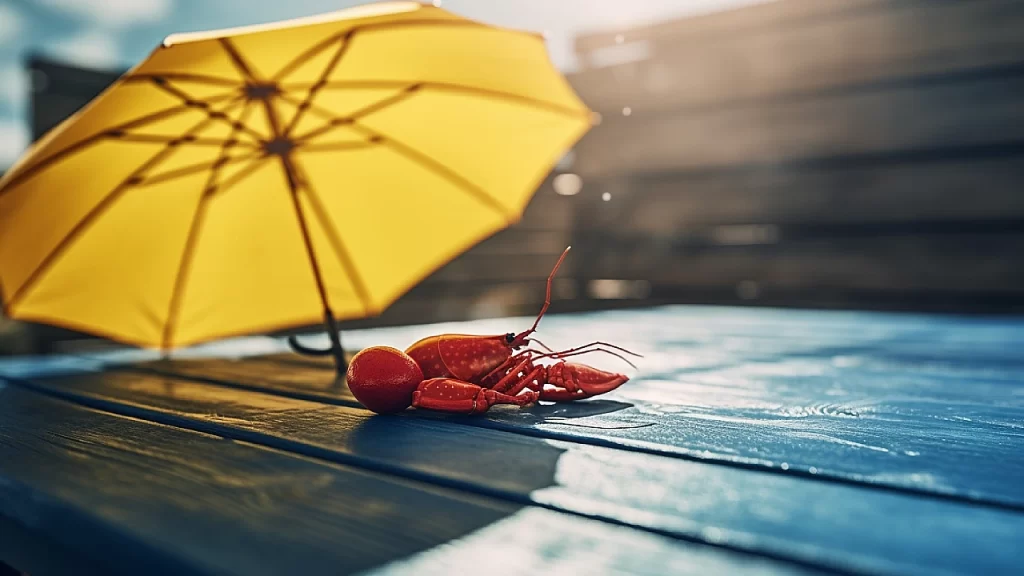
513 363
451 395
524 375
578 381
534 381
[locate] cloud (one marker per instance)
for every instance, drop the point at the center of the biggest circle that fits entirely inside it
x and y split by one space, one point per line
91 49
14 138
11 24
14 86
113 13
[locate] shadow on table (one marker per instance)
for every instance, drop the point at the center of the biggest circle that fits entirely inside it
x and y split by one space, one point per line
579 409
487 459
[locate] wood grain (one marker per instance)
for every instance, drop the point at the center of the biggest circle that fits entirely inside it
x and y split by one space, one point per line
962 113
168 500
872 192
756 512
146 498
924 263
861 397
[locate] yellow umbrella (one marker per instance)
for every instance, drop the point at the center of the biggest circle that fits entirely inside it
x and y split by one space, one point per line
268 177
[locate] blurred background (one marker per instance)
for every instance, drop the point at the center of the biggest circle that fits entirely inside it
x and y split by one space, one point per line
857 154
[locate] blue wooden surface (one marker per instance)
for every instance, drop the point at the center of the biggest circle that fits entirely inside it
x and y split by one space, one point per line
142 498
922 402
687 499
853 442
919 403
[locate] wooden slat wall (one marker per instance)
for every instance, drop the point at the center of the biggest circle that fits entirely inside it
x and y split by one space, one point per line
59 90
858 153
928 114
791 47
732 22
899 190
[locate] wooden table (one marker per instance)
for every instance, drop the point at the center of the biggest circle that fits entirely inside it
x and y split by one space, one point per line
750 441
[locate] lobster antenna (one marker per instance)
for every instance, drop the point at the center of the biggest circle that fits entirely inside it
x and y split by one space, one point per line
599 343
561 355
541 344
547 298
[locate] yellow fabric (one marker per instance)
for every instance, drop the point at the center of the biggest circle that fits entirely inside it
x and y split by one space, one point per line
163 214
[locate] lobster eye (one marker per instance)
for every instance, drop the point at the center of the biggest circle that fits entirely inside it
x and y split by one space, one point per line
510 337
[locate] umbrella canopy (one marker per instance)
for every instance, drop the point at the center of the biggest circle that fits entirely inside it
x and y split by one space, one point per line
252 179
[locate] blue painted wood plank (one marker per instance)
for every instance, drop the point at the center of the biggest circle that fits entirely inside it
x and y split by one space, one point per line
835 525
932 404
21 546
536 542
138 497
962 439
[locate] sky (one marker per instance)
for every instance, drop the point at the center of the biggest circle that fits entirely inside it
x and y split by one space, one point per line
116 34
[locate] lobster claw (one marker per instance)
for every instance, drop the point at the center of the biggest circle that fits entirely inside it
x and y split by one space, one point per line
579 381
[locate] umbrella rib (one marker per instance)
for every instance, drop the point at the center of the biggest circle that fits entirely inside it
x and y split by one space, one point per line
190 139
308 55
238 60
351 118
320 83
304 141
115 132
290 172
97 210
438 168
196 168
185 265
194 103
325 44
239 176
318 111
452 87
307 240
184 77
336 146
157 138
335 121
198 218
340 251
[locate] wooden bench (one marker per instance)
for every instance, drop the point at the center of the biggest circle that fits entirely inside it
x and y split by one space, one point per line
750 441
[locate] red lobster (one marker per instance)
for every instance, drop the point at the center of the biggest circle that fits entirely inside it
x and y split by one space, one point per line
469 374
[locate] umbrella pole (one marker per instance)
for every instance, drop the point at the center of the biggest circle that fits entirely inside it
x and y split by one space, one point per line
335 350
333 333
332 325
335 336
